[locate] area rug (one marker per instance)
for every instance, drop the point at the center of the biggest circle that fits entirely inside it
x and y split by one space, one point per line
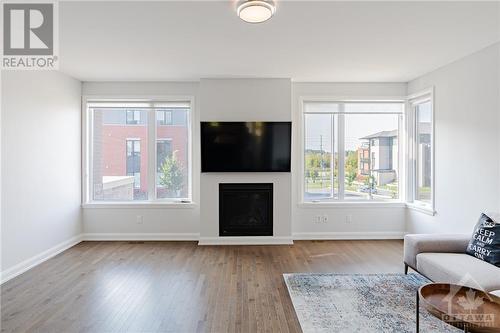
360 303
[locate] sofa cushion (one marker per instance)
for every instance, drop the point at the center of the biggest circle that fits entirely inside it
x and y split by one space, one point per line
460 269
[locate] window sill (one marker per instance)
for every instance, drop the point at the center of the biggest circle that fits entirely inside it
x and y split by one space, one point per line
139 205
351 204
421 208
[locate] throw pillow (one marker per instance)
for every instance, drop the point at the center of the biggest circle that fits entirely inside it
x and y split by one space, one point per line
485 242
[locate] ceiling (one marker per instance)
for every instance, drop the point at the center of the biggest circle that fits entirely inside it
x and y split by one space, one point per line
306 41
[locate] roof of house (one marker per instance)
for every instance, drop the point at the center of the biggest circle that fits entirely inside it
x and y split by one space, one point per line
383 134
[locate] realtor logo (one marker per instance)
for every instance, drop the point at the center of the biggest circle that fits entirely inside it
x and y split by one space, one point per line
29 35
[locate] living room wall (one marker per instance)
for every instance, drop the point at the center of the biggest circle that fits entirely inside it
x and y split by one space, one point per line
170 223
467 142
41 163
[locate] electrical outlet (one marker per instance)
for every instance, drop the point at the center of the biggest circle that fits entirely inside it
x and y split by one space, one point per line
317 219
324 219
138 219
348 218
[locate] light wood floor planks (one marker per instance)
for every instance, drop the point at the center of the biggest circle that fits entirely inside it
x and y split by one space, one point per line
178 286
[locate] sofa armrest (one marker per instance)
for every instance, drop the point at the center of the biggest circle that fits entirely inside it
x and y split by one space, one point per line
444 243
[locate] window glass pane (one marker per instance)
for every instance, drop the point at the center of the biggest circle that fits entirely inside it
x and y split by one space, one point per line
119 161
320 157
172 152
423 152
371 156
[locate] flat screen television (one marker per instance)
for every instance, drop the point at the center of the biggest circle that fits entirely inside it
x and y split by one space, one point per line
246 146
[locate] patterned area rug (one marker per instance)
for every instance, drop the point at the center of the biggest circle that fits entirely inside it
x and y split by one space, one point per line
360 303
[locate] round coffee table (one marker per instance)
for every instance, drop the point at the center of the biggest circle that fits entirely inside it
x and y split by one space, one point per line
466 308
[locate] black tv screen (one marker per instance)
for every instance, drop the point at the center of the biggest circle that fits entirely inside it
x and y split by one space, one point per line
245 146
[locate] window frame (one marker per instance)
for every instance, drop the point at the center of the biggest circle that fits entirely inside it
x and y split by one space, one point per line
152 201
420 97
340 201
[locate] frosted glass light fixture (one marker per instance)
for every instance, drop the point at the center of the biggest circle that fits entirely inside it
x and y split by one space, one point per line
256 11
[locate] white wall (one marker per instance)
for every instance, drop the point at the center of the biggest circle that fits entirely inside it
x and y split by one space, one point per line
467 142
40 166
158 223
367 221
245 100
235 99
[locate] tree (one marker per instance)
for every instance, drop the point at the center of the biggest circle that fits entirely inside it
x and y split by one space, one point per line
317 165
351 165
171 176
351 162
351 176
371 183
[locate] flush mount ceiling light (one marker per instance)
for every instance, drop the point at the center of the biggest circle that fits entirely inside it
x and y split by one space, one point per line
256 11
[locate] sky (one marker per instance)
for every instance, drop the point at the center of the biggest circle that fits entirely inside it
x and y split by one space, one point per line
356 126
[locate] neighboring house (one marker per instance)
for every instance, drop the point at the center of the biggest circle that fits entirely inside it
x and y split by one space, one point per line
123 147
379 155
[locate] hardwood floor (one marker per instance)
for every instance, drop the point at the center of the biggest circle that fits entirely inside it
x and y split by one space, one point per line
178 286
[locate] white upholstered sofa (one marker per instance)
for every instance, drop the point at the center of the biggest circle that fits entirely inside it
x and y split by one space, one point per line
442 258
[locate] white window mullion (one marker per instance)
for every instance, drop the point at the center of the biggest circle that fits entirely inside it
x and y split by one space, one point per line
151 155
89 118
414 154
191 122
433 168
303 154
410 161
341 141
402 151
332 157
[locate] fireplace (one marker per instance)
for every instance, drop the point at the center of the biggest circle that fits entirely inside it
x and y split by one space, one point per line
246 209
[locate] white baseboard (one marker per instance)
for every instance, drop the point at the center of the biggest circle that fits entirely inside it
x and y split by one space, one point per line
141 237
27 264
252 240
348 235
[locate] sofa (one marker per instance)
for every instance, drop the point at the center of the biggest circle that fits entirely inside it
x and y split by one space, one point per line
442 258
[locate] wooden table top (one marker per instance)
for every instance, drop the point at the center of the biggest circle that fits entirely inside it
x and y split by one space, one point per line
463 307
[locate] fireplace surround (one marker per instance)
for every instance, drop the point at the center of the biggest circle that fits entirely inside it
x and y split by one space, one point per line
245 209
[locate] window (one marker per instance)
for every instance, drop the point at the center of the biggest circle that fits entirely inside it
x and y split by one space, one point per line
133 117
164 117
148 161
422 164
351 151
